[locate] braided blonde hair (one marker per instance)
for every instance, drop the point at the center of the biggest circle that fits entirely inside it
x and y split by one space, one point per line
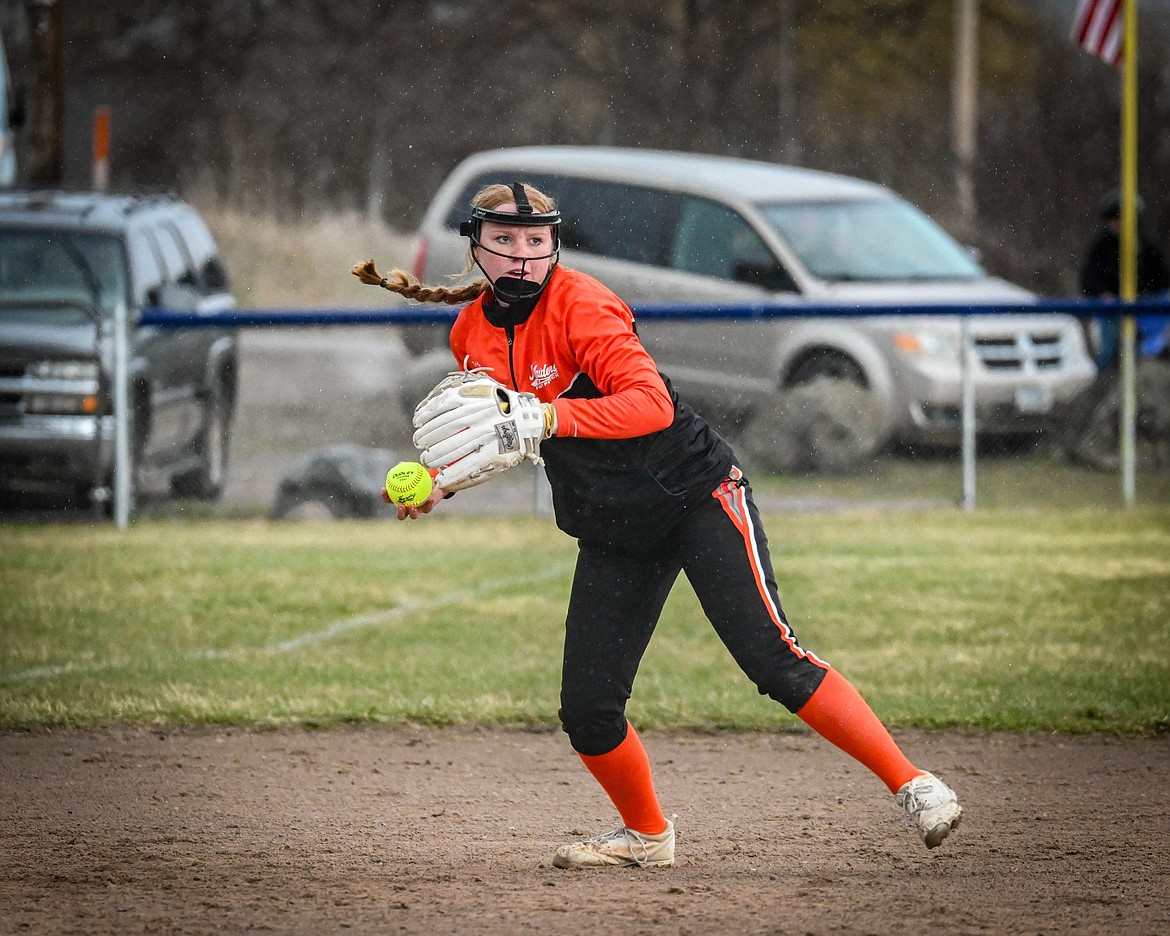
401 282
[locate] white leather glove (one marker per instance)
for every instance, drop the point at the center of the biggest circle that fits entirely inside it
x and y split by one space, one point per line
471 427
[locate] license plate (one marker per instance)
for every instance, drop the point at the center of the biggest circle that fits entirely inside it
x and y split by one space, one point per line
1033 399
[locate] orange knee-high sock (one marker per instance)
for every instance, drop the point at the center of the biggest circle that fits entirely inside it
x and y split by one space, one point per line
839 714
624 773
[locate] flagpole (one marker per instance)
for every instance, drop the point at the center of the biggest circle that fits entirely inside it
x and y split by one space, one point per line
1128 250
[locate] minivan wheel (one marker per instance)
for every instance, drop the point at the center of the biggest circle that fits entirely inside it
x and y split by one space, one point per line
824 362
206 481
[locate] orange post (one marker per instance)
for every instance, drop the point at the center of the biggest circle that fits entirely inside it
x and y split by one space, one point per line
101 149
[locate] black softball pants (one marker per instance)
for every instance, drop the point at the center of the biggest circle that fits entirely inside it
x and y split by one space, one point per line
618 595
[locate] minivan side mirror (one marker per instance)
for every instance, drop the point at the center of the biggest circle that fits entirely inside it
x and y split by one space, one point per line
768 275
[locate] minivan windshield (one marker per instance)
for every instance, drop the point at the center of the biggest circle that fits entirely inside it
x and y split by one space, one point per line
874 239
45 266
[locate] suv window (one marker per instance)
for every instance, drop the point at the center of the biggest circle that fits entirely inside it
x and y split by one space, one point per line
42 264
146 267
174 254
714 240
211 275
194 234
190 274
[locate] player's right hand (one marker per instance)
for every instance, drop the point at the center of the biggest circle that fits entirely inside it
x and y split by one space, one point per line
412 513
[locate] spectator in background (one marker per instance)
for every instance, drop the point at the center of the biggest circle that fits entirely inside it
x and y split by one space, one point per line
1101 277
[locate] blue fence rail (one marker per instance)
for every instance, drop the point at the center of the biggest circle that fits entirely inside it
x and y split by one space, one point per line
424 314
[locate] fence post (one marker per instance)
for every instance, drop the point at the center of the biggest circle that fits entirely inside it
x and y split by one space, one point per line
1128 416
122 416
967 377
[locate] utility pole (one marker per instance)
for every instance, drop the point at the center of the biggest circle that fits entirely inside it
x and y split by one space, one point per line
965 95
46 150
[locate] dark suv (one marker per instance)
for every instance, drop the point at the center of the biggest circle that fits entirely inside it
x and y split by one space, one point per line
66 263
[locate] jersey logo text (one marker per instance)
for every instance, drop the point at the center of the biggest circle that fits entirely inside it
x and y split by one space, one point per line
543 375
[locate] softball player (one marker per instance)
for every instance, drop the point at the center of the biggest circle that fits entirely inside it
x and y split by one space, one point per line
649 490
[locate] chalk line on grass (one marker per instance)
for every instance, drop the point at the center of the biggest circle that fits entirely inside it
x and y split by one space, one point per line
310 638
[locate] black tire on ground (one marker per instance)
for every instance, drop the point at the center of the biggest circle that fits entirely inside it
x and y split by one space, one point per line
420 378
335 483
826 426
422 339
312 505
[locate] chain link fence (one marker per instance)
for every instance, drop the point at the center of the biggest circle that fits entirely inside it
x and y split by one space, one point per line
324 412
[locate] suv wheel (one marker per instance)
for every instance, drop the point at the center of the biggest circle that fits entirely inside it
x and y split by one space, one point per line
206 481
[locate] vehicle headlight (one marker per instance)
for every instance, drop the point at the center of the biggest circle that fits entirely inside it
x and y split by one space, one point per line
61 404
63 370
62 388
926 343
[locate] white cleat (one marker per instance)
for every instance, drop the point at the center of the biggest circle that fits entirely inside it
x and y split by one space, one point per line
931 807
621 848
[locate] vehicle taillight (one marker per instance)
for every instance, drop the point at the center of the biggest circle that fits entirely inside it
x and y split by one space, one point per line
420 258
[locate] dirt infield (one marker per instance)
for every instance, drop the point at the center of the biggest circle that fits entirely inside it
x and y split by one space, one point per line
379 830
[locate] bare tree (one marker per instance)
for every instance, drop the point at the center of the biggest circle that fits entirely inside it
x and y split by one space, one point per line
45 138
308 105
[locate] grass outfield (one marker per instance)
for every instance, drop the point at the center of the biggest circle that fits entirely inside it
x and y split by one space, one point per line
1025 620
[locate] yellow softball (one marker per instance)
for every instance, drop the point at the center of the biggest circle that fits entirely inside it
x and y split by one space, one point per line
408 484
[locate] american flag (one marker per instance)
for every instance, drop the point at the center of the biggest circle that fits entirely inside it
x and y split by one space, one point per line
1098 29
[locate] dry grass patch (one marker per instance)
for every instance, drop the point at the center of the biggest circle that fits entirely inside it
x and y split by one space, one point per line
282 264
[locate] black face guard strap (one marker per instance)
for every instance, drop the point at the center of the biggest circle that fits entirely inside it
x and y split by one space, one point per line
524 216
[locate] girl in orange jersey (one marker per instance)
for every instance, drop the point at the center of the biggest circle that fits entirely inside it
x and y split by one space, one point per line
649 490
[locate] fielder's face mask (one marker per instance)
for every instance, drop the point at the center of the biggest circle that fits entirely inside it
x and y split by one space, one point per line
512 289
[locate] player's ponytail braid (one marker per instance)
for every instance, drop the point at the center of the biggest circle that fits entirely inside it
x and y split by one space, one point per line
401 282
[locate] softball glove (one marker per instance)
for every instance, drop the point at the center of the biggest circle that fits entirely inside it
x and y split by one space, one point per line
471 428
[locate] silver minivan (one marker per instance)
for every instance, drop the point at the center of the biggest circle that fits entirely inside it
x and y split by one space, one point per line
663 227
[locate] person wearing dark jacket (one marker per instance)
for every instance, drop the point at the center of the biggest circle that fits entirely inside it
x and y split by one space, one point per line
649 490
1100 278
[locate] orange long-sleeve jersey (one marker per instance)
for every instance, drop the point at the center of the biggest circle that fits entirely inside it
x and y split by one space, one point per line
578 329
627 451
